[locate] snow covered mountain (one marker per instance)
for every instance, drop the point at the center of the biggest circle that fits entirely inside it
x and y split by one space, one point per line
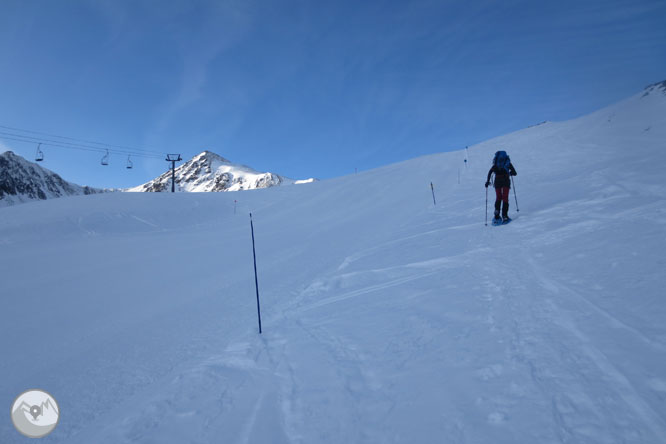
23 181
659 87
208 171
386 318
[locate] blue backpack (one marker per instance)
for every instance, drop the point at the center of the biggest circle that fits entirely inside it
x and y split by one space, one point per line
502 160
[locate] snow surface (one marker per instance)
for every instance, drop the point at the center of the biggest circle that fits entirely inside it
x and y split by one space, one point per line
386 319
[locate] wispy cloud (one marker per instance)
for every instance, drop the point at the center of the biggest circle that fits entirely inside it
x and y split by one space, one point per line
216 27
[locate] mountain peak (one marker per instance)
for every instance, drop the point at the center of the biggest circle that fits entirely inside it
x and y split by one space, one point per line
11 156
208 171
209 156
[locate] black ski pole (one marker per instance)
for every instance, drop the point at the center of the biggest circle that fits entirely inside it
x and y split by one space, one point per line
486 206
514 194
433 193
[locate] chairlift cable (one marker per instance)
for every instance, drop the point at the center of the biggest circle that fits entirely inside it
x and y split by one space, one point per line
73 147
82 140
34 139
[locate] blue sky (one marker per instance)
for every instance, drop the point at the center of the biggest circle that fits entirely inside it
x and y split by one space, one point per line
310 88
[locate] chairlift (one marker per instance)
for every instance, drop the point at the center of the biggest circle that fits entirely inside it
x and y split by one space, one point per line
130 165
39 156
105 159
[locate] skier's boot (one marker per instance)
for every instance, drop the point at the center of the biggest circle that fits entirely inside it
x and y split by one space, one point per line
497 219
505 213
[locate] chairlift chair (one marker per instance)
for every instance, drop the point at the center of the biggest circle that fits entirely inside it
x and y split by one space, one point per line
39 156
130 165
105 159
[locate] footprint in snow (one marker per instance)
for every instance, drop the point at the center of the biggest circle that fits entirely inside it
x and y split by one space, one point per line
490 372
496 418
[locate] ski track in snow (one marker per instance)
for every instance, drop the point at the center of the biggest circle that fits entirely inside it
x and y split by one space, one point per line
605 391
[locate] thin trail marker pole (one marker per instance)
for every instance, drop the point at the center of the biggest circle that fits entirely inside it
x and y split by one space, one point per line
486 206
256 282
514 194
235 201
432 188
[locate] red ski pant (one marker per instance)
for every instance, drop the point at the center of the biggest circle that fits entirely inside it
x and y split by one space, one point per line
502 194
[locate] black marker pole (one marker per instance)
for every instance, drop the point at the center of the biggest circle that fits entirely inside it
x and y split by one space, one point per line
256 282
432 188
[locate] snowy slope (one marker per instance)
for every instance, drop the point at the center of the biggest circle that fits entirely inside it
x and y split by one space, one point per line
208 171
23 181
386 319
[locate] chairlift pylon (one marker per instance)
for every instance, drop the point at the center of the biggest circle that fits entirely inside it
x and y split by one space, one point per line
130 165
39 156
105 159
